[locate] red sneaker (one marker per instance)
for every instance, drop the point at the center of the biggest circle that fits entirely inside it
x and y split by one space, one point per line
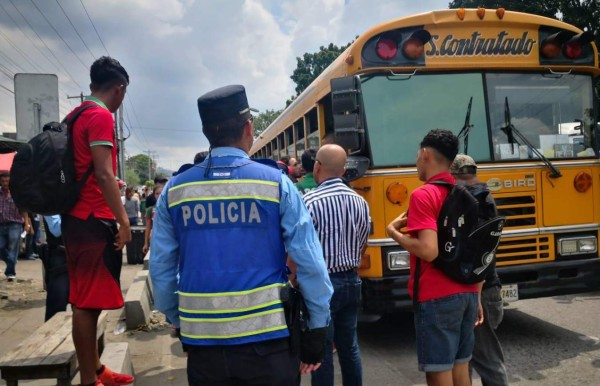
109 378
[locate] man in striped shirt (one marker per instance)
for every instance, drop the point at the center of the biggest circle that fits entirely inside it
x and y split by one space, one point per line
341 218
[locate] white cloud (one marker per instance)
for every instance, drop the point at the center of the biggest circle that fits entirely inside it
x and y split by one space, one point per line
176 50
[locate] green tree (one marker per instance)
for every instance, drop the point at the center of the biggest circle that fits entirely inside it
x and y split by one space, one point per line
311 65
139 164
264 119
131 177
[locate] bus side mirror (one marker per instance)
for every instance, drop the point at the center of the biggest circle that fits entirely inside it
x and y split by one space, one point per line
347 118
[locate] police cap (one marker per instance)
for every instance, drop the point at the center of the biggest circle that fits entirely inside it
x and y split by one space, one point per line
222 105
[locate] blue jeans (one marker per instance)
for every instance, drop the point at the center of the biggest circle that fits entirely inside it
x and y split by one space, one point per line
488 358
342 330
9 245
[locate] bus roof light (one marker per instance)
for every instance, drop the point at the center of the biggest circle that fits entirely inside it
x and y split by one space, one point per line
414 47
481 13
573 48
386 48
500 13
551 46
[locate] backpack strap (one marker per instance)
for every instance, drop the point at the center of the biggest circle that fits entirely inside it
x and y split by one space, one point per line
418 265
69 124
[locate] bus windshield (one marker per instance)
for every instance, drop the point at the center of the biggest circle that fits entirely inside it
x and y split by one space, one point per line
553 112
400 110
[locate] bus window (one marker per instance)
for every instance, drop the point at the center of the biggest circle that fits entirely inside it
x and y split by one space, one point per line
299 129
399 112
268 151
275 150
329 136
289 136
281 146
552 113
312 129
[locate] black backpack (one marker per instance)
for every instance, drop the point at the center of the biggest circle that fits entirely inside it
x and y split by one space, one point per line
42 176
469 231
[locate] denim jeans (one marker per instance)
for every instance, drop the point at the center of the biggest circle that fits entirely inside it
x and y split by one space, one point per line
342 330
9 245
488 358
444 329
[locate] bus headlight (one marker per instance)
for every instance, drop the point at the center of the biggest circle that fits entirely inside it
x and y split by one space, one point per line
398 260
577 245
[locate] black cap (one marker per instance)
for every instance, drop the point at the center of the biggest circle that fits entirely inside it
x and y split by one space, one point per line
160 180
224 104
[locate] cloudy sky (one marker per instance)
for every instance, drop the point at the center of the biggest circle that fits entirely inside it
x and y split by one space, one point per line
175 51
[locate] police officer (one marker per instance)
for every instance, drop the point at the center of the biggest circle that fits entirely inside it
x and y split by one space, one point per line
221 233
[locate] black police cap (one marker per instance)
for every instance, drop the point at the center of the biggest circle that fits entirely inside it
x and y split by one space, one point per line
224 104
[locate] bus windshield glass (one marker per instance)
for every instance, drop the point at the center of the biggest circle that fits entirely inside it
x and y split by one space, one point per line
400 110
553 112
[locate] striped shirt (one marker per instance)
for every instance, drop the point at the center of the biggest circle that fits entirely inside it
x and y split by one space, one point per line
341 218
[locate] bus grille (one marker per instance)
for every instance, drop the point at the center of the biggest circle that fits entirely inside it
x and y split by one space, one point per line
527 249
519 210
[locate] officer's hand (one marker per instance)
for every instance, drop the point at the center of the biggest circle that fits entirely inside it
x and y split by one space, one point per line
312 347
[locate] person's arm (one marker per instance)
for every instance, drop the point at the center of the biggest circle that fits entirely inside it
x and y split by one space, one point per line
147 231
304 249
164 261
26 222
424 245
102 159
53 223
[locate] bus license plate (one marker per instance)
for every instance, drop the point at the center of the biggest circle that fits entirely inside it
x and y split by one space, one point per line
510 292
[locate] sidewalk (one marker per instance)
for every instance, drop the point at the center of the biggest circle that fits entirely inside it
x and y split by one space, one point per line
157 357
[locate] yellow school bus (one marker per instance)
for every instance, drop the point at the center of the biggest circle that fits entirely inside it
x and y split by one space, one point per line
518 91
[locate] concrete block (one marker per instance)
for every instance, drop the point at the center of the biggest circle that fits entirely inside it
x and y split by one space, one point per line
147 261
144 275
116 357
138 306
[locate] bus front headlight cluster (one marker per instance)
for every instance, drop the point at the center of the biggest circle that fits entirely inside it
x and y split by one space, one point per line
577 245
398 260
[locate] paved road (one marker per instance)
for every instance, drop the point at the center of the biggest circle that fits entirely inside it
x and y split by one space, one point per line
551 341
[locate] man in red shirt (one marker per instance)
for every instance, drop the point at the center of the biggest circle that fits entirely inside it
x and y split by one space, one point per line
92 241
446 311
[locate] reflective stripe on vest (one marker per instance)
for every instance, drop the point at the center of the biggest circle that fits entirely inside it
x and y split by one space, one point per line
235 327
224 190
228 302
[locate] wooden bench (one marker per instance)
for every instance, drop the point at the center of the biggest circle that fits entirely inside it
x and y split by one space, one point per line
48 353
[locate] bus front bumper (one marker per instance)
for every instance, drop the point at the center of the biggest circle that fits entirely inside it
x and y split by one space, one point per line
390 294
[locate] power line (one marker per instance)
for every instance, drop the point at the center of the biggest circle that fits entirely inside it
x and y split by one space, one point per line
7 89
44 43
23 54
59 35
77 32
90 19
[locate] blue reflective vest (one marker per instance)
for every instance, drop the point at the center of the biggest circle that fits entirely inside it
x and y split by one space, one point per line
232 257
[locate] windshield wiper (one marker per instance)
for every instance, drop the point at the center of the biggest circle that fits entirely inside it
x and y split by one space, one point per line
464 132
511 131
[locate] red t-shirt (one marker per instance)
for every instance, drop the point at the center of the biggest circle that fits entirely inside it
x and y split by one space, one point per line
94 127
423 210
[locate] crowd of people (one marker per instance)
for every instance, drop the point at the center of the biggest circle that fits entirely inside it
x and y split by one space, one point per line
228 237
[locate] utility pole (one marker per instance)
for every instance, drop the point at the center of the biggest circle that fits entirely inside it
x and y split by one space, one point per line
121 144
151 155
80 96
